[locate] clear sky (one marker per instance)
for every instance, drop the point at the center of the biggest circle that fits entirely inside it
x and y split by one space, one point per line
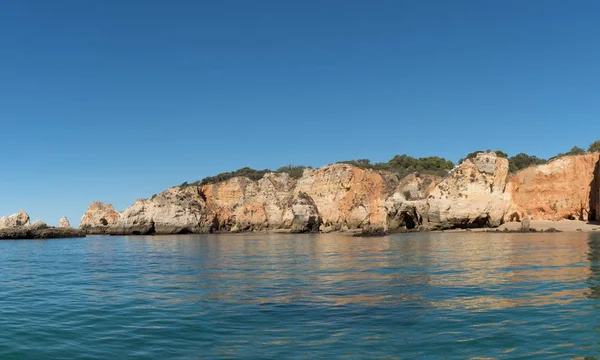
114 100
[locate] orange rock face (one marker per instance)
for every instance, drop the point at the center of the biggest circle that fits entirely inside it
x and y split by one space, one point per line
347 195
99 214
242 204
565 188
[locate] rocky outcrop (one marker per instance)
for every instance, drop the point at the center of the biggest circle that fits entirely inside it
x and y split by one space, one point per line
407 207
15 220
39 230
338 196
241 204
472 195
18 226
342 196
64 223
98 217
175 211
38 224
565 188
306 215
347 196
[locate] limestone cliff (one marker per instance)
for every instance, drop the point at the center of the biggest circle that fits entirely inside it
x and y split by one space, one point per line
240 204
347 196
472 195
342 196
565 188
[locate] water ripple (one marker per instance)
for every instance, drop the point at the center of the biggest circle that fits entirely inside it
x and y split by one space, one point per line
408 296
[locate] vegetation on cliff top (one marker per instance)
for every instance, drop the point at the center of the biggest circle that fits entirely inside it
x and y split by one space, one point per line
252 174
401 165
515 163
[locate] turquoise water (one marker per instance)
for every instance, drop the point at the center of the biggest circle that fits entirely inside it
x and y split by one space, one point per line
407 296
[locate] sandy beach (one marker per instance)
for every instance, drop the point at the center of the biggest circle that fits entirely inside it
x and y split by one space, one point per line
561 225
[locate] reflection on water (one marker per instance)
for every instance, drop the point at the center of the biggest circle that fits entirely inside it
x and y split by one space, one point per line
437 295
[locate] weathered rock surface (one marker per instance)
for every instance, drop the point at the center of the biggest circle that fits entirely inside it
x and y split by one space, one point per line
348 196
407 207
20 228
241 204
175 211
306 214
98 217
565 188
39 232
64 222
38 224
472 195
18 219
345 197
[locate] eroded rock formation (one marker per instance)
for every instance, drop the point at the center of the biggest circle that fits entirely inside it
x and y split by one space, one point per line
478 193
472 195
18 219
565 188
98 216
18 226
64 223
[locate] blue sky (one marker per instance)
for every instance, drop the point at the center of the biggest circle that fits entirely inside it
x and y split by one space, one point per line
115 100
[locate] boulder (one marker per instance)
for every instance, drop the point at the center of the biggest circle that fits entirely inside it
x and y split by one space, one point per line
64 223
21 218
38 224
525 224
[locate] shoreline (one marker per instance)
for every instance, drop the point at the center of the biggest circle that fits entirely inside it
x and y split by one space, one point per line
539 226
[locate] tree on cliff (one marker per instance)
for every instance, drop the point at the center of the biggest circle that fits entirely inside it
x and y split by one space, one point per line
594 147
574 151
522 160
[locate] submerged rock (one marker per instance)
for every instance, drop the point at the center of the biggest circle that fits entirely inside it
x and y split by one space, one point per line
371 231
525 224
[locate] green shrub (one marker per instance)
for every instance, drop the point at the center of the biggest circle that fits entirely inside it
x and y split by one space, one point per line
403 165
292 170
574 151
594 147
522 160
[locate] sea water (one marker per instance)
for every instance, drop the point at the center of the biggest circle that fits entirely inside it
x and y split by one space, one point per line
274 296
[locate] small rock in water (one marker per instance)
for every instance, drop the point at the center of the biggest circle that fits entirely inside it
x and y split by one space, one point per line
372 231
525 224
